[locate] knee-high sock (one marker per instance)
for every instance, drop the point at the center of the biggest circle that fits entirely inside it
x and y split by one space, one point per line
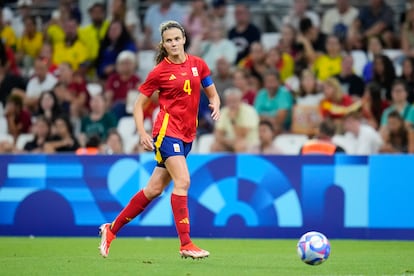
135 206
181 218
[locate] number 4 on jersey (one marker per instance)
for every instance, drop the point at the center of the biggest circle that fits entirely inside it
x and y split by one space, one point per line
187 87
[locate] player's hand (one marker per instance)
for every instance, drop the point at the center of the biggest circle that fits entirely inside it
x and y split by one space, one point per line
147 142
215 111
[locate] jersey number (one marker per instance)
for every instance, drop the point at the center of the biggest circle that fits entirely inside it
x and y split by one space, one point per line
187 87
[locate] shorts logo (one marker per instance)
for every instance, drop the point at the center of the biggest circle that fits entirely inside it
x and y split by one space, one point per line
195 71
176 147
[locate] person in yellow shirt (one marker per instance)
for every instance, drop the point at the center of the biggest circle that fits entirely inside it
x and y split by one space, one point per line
91 35
72 50
7 34
29 44
329 64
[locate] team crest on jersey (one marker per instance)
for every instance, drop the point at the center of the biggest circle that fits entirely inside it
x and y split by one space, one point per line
195 71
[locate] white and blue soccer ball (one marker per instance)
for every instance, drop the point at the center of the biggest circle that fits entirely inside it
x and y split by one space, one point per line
313 248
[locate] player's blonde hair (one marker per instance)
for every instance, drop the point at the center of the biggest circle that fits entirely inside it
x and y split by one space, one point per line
162 53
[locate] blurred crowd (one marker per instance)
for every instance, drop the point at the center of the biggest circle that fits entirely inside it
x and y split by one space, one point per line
341 80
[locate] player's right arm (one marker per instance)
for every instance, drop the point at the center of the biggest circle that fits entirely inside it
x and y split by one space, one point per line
145 139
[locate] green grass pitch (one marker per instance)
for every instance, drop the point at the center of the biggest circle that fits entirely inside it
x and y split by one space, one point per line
139 256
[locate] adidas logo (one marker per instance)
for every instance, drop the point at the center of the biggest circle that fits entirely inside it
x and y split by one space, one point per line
184 221
172 77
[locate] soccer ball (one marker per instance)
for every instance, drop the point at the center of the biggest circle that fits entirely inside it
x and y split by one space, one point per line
313 248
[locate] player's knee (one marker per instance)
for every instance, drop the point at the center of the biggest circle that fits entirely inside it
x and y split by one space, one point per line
182 183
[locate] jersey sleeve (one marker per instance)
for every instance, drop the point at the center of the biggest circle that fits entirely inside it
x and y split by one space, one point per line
151 84
204 70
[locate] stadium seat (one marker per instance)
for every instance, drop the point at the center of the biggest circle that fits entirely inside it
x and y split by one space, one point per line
94 89
270 40
290 143
22 139
130 142
126 126
360 60
146 61
204 143
344 142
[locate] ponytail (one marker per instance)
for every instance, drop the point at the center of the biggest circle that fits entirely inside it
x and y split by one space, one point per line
161 54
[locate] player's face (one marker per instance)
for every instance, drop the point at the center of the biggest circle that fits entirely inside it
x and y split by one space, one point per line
173 41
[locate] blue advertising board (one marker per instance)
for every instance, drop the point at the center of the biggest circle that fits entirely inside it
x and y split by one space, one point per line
361 197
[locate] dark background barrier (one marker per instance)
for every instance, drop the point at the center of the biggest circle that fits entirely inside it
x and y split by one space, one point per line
230 196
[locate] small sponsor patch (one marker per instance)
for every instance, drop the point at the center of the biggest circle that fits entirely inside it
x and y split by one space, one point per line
176 147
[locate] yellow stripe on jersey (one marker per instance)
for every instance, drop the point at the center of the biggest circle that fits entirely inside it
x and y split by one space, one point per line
160 137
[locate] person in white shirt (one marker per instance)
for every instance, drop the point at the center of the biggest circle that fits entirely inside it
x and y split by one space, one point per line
41 81
298 12
361 139
337 20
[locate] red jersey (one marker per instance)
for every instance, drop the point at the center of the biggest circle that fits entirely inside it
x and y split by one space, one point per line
179 96
121 87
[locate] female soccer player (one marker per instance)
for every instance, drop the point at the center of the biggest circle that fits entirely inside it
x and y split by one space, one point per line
177 78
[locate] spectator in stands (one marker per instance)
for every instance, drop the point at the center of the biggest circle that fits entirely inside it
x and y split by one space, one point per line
29 44
399 103
384 74
322 144
244 33
216 45
351 83
373 105
337 20
220 11
121 82
158 12
98 122
255 62
288 41
274 102
46 52
41 81
113 143
93 34
280 61
237 128
395 135
116 40
76 93
311 39
120 11
49 107
241 81
407 75
222 76
196 21
7 34
18 118
63 139
54 30
266 137
300 10
71 50
24 9
362 139
8 80
309 91
407 32
375 47
336 104
329 64
41 130
377 18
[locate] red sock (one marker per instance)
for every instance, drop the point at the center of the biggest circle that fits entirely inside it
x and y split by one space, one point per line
135 206
182 222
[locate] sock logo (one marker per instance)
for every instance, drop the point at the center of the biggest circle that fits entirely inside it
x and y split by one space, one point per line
184 221
128 219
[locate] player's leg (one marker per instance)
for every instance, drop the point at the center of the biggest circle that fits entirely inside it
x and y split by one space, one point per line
177 167
159 179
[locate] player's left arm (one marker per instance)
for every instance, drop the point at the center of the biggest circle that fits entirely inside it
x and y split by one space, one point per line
213 97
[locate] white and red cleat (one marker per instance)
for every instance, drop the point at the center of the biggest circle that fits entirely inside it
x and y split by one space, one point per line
106 238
